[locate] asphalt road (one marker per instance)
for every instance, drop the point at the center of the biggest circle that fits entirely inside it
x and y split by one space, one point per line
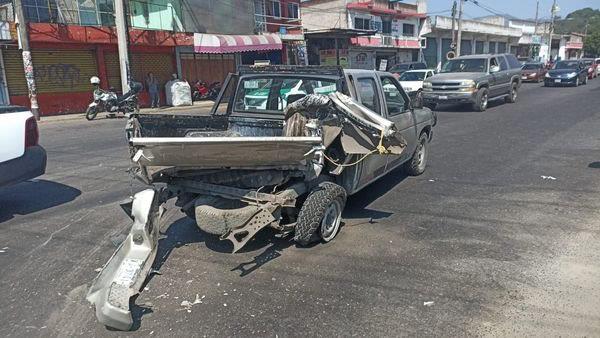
490 246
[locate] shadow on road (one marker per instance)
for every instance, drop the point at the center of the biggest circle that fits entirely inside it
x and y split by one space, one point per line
33 196
466 107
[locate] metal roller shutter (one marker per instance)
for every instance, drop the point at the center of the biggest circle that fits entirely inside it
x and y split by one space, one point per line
141 64
56 71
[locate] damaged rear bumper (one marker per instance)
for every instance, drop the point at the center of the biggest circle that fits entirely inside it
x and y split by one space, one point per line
125 272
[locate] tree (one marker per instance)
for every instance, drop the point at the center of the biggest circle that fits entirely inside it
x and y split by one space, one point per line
592 44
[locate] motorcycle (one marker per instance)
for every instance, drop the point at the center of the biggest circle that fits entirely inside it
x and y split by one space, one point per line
110 102
202 91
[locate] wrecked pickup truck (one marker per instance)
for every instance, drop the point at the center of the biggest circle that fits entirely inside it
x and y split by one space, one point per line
282 148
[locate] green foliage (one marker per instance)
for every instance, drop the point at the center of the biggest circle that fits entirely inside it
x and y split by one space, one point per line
576 22
592 44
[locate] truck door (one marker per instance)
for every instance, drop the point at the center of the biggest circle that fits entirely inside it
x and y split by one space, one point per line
398 111
503 76
494 78
369 95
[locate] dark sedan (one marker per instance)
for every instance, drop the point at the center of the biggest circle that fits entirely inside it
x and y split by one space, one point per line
533 71
568 72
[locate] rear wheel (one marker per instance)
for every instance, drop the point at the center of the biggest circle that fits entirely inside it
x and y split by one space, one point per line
481 101
585 81
513 94
577 82
320 216
91 113
418 163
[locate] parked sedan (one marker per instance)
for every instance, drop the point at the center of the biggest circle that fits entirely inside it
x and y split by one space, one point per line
400 68
597 66
592 67
533 71
568 72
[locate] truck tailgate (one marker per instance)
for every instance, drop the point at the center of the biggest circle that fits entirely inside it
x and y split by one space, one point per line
221 152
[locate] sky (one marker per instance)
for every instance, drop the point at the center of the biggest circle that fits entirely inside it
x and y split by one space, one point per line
523 9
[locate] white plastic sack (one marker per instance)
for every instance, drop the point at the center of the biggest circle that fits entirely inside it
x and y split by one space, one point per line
178 93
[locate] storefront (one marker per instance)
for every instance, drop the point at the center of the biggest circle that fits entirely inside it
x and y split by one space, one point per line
214 56
62 78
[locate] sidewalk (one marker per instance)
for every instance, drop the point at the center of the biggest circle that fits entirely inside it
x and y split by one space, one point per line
199 107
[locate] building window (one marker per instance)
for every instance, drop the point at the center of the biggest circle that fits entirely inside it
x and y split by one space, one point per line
408 29
360 23
276 9
293 11
40 11
386 27
88 16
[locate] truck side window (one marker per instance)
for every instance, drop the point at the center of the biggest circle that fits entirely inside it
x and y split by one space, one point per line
493 62
503 64
367 90
393 96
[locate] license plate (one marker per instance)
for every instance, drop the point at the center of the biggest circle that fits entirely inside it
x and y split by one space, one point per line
443 97
524 77
557 80
128 272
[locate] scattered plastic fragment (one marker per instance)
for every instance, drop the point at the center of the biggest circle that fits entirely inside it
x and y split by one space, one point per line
428 303
552 178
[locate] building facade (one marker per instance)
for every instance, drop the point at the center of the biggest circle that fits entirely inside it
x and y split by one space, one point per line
72 40
376 30
477 38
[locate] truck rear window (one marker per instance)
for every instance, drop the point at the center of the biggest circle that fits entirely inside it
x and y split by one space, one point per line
275 93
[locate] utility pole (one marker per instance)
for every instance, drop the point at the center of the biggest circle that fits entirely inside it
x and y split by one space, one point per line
551 29
454 23
459 33
122 36
23 36
537 10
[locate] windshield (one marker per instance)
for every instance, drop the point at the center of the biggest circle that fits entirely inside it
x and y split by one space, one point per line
275 93
399 68
412 76
531 66
588 62
465 66
566 65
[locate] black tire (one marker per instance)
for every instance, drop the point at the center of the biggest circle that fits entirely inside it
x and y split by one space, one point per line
217 216
576 82
585 81
513 93
311 218
431 106
91 113
481 101
418 162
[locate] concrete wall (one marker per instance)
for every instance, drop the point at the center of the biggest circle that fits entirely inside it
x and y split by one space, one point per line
324 14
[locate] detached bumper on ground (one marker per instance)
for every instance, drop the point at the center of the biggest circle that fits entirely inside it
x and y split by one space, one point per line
125 272
31 165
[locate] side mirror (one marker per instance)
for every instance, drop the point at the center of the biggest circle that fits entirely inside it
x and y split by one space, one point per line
494 69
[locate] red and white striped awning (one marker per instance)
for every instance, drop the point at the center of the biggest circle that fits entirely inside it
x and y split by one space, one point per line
221 44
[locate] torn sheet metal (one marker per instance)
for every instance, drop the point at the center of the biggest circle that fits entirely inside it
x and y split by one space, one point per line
361 129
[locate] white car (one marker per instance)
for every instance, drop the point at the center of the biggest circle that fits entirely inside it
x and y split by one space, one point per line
598 66
412 81
21 157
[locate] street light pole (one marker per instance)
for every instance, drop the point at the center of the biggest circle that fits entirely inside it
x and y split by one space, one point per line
551 29
459 34
122 36
23 37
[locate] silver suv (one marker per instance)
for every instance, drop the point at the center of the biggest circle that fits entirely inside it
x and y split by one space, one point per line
474 79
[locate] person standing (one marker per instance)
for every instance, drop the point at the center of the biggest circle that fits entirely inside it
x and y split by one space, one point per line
153 89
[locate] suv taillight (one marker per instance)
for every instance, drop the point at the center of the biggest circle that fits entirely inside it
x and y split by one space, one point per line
32 134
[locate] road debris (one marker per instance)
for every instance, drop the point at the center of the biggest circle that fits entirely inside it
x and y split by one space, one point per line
188 305
98 269
430 303
551 178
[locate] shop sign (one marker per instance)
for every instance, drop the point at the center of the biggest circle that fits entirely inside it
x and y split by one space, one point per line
327 57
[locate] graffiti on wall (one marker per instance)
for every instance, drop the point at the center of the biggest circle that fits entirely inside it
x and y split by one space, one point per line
63 74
